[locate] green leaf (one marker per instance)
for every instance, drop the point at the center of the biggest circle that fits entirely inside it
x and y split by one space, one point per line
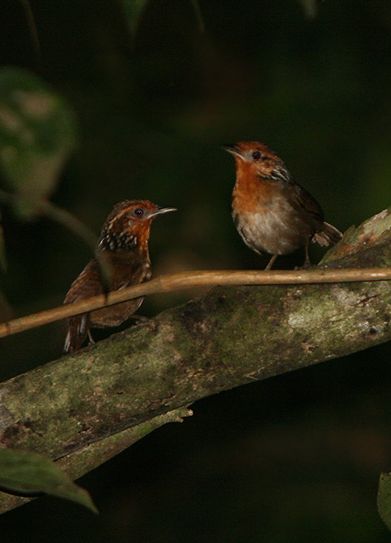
37 134
384 498
133 10
29 473
310 7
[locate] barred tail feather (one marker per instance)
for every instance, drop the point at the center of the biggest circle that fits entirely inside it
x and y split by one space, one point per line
329 235
77 333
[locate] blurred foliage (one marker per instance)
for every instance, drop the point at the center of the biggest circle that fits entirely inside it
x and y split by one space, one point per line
284 460
28 473
37 133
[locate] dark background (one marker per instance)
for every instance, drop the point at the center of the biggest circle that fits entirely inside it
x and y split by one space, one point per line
290 459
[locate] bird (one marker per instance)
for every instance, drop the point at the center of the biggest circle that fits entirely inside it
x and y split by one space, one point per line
272 213
123 245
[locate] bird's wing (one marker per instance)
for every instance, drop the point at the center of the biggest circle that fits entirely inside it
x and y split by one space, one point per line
325 234
304 201
87 284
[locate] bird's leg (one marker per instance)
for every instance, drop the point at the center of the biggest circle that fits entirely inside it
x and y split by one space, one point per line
271 262
307 261
91 340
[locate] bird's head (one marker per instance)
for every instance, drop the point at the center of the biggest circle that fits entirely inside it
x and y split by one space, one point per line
128 225
255 158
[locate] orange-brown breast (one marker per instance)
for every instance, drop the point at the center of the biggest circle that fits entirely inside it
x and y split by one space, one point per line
142 232
251 193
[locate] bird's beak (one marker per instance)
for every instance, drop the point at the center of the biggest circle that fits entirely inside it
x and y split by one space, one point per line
162 210
233 149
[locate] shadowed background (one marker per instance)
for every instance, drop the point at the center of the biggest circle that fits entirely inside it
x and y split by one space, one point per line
285 460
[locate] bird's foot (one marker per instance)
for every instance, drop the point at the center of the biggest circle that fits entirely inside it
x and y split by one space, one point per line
305 266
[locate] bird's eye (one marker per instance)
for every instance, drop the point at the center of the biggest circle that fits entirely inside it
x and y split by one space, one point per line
139 212
256 155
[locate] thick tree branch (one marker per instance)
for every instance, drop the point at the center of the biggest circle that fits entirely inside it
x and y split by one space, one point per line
227 338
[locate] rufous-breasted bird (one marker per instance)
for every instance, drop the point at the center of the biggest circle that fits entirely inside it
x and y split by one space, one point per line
272 213
123 244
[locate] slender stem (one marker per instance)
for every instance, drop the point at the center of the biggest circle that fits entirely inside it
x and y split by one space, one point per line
33 29
198 14
187 280
57 214
73 224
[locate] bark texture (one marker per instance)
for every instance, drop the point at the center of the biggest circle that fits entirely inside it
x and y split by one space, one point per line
229 337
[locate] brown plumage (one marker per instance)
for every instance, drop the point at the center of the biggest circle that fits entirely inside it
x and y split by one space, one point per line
272 213
123 243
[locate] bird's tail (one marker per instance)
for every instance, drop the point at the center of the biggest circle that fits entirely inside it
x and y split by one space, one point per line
329 235
77 333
